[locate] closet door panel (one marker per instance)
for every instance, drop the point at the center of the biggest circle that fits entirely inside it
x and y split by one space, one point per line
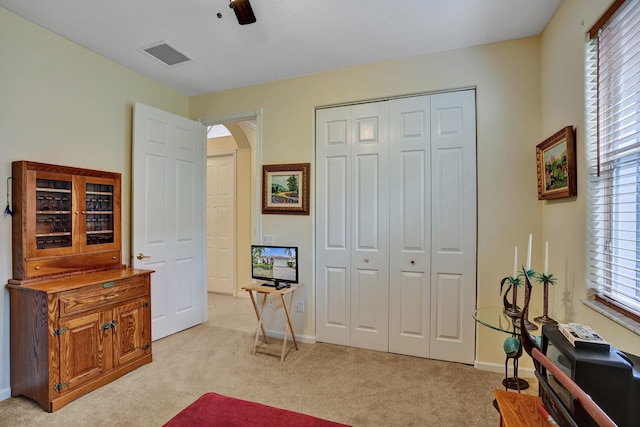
448 297
453 275
366 285
336 304
367 214
370 227
336 312
449 211
409 296
333 218
336 204
412 316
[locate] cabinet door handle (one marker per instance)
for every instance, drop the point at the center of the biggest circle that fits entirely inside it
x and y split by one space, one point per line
105 328
142 256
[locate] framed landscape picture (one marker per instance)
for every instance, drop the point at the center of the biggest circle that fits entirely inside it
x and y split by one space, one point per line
285 189
556 165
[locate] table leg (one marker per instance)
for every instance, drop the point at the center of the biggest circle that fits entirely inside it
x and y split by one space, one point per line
260 326
288 326
258 315
293 334
286 333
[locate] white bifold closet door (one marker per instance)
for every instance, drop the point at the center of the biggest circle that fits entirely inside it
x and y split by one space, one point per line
396 225
354 222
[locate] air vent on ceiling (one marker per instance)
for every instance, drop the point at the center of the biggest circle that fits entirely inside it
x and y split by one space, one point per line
165 53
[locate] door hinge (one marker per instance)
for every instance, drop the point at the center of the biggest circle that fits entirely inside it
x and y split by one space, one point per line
146 346
59 331
60 386
145 304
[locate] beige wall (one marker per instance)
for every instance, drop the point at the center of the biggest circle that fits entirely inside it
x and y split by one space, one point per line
526 90
506 76
564 221
62 104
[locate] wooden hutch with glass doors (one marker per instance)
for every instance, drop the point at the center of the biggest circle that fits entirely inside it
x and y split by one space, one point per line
79 318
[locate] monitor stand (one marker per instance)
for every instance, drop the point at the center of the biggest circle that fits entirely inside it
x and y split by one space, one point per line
278 285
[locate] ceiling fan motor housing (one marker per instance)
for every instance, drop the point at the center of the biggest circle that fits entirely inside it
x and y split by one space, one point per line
243 11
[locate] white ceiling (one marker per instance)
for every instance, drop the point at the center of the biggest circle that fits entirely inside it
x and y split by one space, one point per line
290 37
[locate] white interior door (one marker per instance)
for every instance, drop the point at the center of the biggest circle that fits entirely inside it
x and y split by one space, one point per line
410 224
168 213
333 225
352 226
454 226
221 226
370 226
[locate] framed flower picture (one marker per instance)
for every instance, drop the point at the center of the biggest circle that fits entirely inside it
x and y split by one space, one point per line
556 164
285 189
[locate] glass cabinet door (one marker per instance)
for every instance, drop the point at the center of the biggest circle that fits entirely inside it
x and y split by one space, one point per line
53 214
99 208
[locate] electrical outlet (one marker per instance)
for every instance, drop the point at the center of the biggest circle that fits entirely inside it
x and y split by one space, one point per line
270 302
300 306
268 239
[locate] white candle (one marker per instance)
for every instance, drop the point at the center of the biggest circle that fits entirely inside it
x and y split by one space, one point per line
515 264
546 258
529 253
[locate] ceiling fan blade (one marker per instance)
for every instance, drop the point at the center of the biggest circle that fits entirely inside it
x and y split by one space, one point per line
243 11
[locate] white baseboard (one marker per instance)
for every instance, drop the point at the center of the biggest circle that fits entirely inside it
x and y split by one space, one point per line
498 368
299 338
5 393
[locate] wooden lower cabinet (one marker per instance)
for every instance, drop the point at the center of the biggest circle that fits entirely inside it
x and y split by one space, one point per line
72 335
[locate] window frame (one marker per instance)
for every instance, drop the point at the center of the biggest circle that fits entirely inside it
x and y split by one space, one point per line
603 261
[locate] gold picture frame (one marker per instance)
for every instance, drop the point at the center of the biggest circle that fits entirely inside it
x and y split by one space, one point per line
556 165
285 189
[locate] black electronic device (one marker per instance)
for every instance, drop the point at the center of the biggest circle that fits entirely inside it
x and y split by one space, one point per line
553 404
611 378
276 265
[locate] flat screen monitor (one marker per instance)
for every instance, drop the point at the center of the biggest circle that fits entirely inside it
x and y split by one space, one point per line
276 265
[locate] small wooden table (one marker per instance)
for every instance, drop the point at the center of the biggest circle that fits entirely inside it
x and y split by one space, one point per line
519 410
265 291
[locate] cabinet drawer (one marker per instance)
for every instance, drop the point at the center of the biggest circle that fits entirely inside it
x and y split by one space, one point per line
96 296
58 265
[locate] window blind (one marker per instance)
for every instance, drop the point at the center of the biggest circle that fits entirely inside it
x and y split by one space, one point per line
613 139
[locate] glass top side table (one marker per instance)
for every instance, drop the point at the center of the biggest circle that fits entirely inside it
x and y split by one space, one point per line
496 319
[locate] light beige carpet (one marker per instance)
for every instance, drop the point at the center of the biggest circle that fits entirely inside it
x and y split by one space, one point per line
347 385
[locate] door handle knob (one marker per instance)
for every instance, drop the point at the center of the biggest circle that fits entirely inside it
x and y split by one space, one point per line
142 256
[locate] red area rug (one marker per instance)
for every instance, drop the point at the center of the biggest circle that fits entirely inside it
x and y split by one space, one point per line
213 409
